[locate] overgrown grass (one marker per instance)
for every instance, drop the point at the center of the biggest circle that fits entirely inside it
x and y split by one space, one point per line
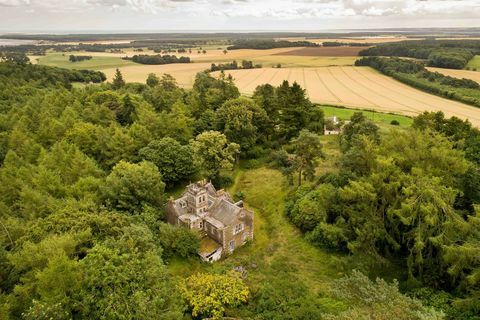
378 117
474 63
278 247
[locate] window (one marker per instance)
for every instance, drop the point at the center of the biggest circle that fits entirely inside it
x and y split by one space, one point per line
183 204
200 225
238 228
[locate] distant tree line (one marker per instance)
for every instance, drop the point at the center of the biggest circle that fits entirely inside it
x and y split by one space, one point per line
264 44
345 44
246 64
415 74
74 58
157 59
49 75
452 54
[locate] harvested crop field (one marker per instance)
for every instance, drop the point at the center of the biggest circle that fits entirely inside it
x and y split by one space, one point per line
184 73
356 87
375 40
325 51
473 75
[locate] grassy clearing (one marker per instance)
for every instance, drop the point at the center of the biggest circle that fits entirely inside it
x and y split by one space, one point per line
378 117
96 63
278 247
474 63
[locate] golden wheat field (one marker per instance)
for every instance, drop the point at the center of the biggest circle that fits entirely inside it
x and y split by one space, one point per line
357 87
473 75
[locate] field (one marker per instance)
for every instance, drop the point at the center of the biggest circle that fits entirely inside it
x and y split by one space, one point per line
474 63
376 39
184 73
96 63
108 62
473 75
356 87
325 52
327 74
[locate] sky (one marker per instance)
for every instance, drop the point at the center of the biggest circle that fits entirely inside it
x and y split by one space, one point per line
234 15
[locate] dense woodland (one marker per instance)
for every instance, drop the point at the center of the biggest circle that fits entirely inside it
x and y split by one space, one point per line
416 75
157 59
405 197
85 173
451 54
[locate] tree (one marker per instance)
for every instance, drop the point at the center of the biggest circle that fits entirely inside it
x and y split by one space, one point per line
178 123
118 81
358 126
294 109
177 241
235 119
265 97
131 186
308 149
174 161
208 294
123 280
378 300
125 115
152 80
214 153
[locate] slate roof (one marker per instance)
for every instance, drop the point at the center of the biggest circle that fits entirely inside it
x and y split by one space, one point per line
225 212
214 222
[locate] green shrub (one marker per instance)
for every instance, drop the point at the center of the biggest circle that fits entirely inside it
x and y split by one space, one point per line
177 241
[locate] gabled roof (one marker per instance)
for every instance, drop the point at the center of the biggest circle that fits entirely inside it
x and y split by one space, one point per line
214 222
225 212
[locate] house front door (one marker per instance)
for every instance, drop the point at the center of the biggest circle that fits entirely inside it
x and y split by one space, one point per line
231 245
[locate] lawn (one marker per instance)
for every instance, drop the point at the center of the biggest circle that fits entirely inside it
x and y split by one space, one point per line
378 117
96 63
474 63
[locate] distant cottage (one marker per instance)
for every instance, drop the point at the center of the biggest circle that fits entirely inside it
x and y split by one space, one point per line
332 126
223 224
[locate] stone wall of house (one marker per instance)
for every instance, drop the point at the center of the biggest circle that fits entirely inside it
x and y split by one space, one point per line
244 235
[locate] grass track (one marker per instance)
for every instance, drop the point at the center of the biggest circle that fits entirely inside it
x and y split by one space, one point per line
474 63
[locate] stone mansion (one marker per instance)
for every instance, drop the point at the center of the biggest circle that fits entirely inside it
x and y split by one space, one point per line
223 224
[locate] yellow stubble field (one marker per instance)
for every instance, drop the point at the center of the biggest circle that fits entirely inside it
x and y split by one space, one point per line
356 87
184 73
473 75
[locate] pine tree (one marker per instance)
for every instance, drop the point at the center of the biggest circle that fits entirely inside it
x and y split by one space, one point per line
118 81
